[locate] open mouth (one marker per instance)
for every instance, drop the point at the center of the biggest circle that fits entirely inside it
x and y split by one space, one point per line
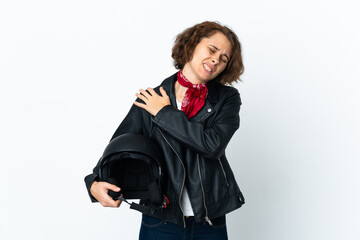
208 68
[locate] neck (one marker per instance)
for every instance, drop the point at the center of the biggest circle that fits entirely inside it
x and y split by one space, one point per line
190 75
179 91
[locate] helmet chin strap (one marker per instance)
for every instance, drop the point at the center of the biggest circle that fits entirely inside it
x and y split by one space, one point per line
142 208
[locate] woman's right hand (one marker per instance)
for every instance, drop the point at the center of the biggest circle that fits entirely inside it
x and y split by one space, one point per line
99 190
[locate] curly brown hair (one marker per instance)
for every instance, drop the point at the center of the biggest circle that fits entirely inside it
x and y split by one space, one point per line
185 43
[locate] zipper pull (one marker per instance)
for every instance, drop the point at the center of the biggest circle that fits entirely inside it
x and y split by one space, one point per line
208 220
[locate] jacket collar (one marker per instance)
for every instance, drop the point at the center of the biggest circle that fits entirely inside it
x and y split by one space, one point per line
169 85
212 98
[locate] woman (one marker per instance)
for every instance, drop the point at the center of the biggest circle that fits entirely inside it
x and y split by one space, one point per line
192 115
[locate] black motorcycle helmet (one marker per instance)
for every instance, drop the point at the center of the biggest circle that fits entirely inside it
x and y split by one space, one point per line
134 163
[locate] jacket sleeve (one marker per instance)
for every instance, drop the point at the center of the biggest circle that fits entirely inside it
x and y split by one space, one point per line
211 140
132 123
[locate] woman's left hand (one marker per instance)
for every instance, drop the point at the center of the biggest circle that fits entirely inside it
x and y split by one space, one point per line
153 102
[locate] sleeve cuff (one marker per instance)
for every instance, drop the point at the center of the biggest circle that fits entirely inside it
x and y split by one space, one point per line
89 179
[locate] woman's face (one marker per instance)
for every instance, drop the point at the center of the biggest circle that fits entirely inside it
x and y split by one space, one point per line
210 58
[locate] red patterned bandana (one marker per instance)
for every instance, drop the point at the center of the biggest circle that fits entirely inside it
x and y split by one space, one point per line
195 96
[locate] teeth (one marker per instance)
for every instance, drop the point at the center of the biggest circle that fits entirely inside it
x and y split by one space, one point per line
207 68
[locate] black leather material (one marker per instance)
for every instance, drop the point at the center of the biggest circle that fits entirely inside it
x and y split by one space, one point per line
194 151
133 143
134 163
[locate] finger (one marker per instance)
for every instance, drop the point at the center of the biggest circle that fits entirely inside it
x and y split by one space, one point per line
152 92
142 97
141 105
109 202
106 200
117 203
112 187
163 92
145 93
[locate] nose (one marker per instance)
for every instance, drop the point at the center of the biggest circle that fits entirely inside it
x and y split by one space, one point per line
214 60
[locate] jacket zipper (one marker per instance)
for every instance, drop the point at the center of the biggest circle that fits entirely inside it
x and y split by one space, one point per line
222 168
207 219
182 186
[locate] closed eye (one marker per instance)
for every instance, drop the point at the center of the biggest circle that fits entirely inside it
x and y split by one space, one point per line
224 59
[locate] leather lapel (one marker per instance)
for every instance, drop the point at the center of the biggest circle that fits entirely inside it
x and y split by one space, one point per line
204 112
208 108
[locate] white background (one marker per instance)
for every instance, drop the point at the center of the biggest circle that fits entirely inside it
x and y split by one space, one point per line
69 71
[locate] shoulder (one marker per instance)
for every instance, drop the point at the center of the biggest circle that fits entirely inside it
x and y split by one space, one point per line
218 92
167 83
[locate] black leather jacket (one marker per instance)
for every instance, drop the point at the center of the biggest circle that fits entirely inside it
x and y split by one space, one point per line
194 152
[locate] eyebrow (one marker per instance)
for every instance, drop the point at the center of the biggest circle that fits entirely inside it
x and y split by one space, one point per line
218 50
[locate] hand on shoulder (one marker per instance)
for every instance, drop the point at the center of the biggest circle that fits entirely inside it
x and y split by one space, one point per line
153 102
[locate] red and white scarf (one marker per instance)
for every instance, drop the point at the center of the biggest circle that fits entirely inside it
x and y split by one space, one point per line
195 96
